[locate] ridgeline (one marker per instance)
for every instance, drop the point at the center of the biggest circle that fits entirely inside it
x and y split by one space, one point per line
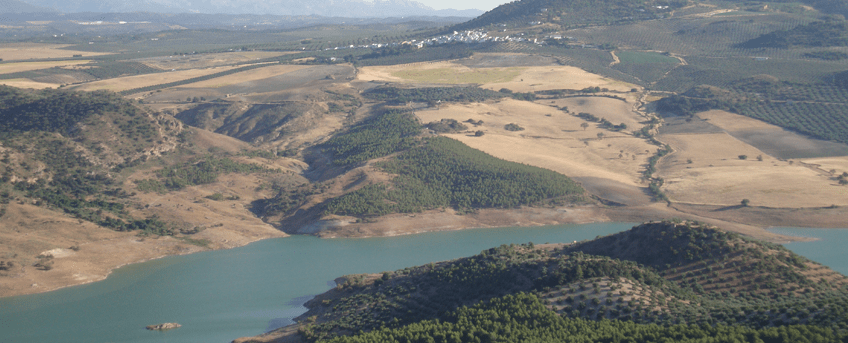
682 281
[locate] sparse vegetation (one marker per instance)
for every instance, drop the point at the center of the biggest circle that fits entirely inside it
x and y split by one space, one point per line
198 172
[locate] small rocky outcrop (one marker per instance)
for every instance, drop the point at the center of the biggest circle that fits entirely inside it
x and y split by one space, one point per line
163 326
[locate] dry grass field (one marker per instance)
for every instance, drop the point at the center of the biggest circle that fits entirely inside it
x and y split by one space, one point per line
27 83
551 139
614 110
773 140
558 77
27 66
129 82
458 75
246 76
718 176
519 79
180 62
26 51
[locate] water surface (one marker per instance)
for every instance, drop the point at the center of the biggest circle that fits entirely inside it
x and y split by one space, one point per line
831 248
221 295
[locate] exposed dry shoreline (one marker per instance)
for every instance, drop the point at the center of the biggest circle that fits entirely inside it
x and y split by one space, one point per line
433 221
96 260
105 250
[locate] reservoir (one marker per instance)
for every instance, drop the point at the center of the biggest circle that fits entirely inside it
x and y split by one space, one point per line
221 295
828 250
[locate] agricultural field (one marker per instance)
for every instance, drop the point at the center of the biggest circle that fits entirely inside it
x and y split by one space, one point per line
131 82
27 83
7 68
182 62
450 75
774 140
709 36
246 76
614 110
639 57
718 168
647 66
27 51
518 79
551 139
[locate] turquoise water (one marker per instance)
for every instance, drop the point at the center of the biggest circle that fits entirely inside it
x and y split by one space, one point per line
221 295
831 249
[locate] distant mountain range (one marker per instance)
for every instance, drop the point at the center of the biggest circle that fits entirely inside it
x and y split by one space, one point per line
328 8
15 6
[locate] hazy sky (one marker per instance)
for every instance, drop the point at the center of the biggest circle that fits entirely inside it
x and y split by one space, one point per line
484 5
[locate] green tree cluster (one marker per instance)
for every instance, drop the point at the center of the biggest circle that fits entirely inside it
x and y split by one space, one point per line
524 318
54 110
444 172
201 171
376 137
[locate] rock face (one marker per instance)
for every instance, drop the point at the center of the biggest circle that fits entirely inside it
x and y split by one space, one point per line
163 326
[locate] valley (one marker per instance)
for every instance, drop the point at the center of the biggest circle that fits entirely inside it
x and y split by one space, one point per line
724 118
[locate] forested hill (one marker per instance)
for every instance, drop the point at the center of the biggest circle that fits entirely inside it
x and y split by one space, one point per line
425 173
677 275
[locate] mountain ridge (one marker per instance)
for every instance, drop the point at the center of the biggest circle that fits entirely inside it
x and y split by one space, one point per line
329 8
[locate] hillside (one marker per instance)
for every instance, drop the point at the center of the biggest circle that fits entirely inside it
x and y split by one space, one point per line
386 165
812 109
702 276
571 13
87 173
815 35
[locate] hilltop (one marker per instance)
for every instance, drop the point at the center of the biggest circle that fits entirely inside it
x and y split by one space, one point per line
700 276
571 13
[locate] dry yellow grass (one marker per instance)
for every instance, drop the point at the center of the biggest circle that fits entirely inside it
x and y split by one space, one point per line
557 77
717 176
207 60
735 122
26 83
24 51
830 165
27 66
136 81
250 75
556 142
614 110
519 79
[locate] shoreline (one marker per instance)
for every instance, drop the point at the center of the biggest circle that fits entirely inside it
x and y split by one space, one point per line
85 267
387 226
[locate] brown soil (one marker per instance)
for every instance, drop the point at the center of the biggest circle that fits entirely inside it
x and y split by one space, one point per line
28 231
27 66
448 220
25 51
136 81
706 168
